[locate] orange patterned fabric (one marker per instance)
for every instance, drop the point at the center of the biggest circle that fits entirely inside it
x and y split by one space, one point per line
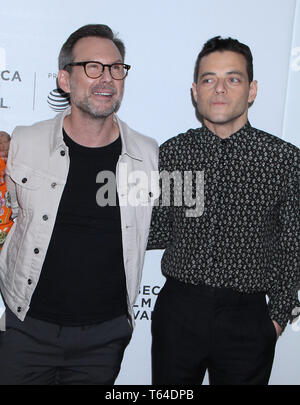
5 210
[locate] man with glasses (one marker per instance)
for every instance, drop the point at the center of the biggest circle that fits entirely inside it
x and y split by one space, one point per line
71 266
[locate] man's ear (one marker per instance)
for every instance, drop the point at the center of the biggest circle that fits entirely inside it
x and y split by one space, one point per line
194 91
252 92
63 80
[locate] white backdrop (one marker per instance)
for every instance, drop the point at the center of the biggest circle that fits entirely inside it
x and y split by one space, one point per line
157 101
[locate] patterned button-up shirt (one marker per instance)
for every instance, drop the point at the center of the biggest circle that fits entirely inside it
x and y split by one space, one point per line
246 235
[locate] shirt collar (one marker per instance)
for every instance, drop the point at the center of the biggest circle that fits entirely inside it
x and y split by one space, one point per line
242 134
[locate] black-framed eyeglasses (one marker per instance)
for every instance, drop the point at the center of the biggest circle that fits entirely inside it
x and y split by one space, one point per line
93 69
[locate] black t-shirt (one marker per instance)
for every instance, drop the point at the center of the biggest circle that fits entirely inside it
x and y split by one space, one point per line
83 279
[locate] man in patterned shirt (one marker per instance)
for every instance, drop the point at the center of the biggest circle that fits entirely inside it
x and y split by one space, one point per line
212 313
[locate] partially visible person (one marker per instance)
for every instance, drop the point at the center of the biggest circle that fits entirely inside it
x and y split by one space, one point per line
212 313
4 145
6 221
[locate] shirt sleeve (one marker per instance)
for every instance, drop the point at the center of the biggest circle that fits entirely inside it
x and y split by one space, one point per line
284 279
160 234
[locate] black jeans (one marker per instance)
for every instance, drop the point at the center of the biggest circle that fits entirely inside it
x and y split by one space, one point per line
199 328
40 353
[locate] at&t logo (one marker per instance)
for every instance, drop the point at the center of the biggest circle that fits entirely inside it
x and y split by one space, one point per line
58 100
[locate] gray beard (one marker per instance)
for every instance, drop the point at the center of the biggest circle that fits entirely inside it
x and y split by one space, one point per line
86 107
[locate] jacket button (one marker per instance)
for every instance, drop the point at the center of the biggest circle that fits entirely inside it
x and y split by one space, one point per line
36 251
19 309
45 217
62 152
53 185
24 180
29 281
150 194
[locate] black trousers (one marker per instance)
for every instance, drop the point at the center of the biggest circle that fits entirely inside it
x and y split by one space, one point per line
199 328
35 352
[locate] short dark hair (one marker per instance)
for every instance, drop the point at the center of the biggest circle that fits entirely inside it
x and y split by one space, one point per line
90 30
218 44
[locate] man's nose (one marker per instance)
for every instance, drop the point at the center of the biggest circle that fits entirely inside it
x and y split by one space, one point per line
106 75
220 86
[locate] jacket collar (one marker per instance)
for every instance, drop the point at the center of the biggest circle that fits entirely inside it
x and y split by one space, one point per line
127 136
57 141
128 142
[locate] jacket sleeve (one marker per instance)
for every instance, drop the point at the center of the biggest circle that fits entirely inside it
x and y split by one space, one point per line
160 235
284 278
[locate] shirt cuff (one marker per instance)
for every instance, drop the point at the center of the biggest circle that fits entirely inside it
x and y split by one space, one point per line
283 310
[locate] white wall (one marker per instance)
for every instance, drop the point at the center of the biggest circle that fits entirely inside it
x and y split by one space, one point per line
163 38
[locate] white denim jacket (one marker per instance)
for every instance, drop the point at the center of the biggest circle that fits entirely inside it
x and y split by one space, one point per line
37 170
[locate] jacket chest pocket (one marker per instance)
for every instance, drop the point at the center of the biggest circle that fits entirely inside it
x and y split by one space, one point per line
28 183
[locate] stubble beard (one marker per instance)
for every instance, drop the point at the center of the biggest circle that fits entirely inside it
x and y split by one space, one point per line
86 106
